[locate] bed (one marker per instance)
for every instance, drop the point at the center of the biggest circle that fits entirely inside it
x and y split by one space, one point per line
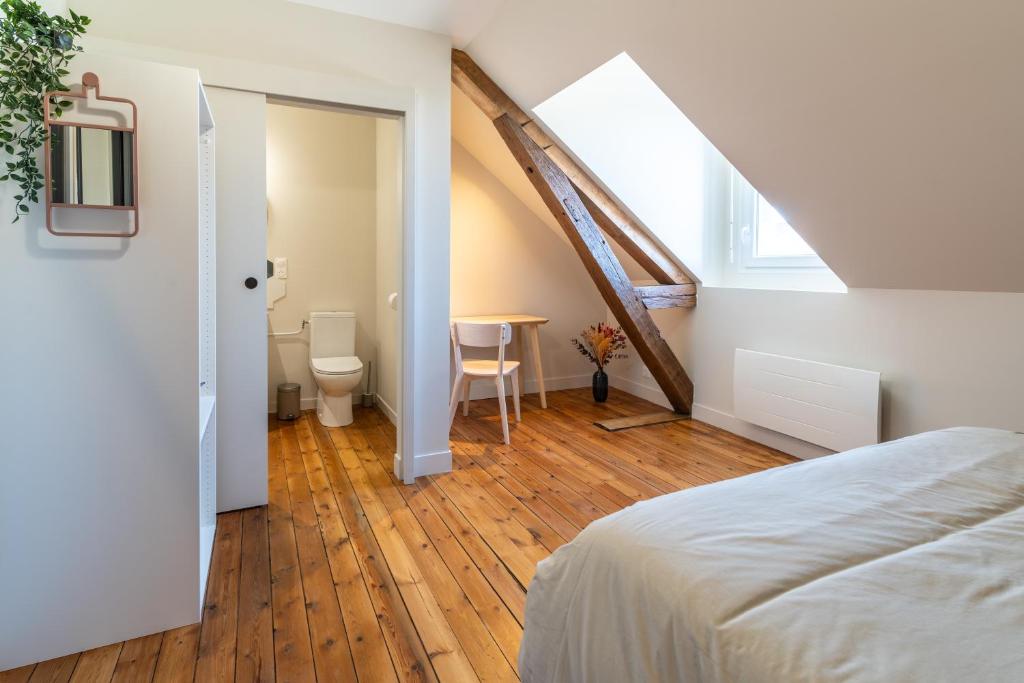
897 562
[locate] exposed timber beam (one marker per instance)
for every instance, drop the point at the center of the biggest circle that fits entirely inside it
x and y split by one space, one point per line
622 297
617 223
668 296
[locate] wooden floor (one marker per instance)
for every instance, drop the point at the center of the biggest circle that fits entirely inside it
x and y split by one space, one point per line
348 575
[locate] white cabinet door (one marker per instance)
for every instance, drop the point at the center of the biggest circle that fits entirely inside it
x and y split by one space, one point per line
240 119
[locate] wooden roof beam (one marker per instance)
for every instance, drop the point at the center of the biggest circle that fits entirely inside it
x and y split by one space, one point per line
619 225
612 282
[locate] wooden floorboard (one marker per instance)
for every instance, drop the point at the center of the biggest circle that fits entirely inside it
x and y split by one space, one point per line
137 662
177 660
218 637
254 651
98 664
57 670
349 575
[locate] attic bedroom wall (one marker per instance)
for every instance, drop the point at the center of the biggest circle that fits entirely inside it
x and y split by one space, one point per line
510 255
506 260
947 357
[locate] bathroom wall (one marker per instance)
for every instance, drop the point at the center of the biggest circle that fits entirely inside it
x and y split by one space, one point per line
321 216
389 267
506 260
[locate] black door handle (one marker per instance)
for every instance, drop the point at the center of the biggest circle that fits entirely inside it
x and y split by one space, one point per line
251 283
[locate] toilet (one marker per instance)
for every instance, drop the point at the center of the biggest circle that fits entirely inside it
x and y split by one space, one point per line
336 369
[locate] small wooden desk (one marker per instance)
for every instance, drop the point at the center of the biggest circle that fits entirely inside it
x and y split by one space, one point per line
519 322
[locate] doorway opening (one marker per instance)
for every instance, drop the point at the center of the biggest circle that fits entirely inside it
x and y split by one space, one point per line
334 262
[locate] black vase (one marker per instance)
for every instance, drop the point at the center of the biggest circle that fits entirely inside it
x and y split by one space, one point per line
600 386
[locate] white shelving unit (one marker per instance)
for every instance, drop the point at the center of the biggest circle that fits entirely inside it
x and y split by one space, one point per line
207 343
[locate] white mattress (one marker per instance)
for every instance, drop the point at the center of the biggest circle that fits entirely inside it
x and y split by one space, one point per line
897 562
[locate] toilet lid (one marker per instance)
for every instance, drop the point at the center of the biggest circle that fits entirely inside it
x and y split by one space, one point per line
340 365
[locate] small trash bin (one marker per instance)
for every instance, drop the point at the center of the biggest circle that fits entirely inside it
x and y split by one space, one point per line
288 401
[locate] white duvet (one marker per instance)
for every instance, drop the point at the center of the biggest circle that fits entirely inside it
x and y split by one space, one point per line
897 562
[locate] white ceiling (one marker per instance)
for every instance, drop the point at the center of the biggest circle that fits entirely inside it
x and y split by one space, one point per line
460 19
890 134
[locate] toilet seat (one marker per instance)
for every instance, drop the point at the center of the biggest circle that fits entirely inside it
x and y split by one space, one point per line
338 365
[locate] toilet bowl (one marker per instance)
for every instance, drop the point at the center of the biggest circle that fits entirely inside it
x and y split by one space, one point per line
335 367
336 378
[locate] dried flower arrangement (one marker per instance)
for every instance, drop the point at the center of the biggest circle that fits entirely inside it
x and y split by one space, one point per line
601 343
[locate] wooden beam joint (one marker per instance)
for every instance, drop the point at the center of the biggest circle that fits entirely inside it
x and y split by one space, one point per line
667 296
634 238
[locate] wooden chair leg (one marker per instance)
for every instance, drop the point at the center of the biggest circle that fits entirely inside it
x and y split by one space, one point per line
453 404
467 382
515 393
500 383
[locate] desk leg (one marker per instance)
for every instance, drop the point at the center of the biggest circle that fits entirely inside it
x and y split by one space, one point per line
535 348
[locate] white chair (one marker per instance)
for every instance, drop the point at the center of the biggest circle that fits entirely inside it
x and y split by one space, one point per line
483 335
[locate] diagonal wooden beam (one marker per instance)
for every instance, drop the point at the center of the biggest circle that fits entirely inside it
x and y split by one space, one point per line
668 296
628 233
618 292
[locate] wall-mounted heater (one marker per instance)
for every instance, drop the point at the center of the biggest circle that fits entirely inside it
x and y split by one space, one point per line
828 405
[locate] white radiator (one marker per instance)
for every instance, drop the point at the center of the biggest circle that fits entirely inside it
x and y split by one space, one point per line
828 405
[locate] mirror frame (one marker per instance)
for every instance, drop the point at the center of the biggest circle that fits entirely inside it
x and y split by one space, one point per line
90 81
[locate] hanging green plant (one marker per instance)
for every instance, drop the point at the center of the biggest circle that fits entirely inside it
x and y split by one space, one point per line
35 49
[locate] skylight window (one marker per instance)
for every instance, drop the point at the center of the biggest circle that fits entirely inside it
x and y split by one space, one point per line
637 142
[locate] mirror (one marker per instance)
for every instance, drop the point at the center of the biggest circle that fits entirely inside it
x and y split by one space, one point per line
91 166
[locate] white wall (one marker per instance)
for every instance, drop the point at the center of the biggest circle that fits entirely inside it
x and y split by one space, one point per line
946 358
505 260
99 410
389 248
321 216
54 6
326 56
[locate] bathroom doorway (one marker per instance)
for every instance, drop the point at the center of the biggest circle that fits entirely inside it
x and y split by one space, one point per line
334 227
273 202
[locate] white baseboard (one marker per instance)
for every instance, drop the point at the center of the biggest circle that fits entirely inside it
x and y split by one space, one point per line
388 411
783 442
426 464
483 388
652 394
723 420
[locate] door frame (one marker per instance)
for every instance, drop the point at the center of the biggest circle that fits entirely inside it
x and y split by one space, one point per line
403 467
395 103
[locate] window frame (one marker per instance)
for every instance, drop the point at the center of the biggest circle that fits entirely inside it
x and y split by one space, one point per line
743 203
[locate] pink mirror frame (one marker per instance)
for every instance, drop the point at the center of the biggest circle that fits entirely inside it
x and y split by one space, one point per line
90 81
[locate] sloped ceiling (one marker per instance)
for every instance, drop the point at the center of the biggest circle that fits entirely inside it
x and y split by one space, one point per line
890 134
474 131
